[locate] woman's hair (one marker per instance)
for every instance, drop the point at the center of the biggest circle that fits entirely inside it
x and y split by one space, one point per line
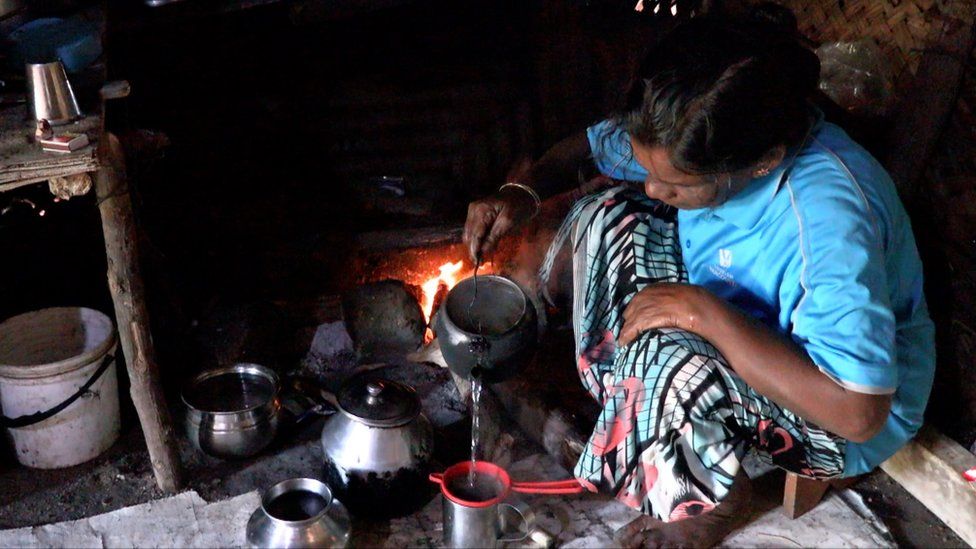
719 94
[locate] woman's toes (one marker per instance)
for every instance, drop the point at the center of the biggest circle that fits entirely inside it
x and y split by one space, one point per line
632 534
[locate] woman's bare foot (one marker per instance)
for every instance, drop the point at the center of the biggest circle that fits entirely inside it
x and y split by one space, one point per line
705 530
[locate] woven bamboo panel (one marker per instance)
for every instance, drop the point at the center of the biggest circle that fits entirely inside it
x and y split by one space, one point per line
900 27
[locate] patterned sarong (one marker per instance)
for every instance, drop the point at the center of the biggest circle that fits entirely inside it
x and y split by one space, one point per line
676 420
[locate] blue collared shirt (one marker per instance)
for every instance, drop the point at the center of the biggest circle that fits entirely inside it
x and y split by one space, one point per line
821 250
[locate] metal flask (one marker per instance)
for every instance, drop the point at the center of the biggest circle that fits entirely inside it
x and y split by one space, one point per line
378 448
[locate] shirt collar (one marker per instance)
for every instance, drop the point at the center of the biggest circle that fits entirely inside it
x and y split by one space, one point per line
746 208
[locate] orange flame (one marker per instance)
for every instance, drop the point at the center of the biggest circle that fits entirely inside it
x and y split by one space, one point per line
448 276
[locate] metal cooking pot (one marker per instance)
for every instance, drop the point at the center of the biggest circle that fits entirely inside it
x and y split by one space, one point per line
232 412
378 448
496 331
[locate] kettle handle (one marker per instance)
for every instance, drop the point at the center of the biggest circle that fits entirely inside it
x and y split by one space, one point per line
437 478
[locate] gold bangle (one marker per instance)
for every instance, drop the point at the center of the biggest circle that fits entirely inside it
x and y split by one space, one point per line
535 196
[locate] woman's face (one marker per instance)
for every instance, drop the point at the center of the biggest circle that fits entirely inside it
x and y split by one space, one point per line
680 189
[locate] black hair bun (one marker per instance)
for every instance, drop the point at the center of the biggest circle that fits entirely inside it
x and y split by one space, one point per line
776 28
804 69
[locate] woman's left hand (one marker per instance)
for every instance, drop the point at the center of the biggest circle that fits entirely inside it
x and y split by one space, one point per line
668 305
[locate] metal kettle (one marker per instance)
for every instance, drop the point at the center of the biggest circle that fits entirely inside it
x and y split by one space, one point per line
378 448
493 328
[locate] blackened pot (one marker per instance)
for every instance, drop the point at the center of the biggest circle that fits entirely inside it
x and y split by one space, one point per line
378 448
493 328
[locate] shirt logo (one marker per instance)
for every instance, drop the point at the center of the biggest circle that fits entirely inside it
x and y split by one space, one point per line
725 258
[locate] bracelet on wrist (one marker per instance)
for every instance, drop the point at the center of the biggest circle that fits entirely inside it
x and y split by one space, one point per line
537 202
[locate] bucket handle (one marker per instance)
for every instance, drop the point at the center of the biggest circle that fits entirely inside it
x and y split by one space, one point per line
37 417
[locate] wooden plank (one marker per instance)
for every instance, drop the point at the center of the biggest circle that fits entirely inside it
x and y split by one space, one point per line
22 162
930 467
125 284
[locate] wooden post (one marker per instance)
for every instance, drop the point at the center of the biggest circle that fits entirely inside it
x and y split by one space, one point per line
125 283
801 494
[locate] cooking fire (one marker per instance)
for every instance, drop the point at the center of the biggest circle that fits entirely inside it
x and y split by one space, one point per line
435 289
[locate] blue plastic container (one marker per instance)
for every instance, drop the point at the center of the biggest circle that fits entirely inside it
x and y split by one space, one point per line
76 43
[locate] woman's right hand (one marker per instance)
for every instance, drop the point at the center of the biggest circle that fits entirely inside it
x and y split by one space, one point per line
491 218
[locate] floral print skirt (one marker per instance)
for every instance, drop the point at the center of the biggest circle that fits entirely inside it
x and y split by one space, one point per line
676 421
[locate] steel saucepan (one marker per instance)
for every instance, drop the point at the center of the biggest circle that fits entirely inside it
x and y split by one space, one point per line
232 412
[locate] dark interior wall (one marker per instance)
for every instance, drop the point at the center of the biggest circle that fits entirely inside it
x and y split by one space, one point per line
54 260
281 127
282 121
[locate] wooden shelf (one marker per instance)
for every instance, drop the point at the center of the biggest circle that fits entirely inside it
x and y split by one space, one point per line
22 162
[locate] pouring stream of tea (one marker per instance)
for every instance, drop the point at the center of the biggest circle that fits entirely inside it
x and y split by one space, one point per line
475 384
475 399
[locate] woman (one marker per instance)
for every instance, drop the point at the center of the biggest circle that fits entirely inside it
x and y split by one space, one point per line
787 318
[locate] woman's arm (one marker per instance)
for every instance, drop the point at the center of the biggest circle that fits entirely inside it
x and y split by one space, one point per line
492 217
558 169
771 364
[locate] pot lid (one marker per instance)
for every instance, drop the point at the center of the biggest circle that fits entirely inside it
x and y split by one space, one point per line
378 402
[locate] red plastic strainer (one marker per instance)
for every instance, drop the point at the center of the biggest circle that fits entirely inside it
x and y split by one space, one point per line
462 470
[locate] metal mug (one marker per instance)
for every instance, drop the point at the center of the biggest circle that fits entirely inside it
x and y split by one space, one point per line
50 95
485 523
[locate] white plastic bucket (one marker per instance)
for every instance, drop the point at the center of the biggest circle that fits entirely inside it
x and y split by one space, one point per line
46 356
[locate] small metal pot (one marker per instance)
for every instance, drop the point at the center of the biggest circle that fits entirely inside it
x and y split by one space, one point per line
232 412
378 448
496 331
297 513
